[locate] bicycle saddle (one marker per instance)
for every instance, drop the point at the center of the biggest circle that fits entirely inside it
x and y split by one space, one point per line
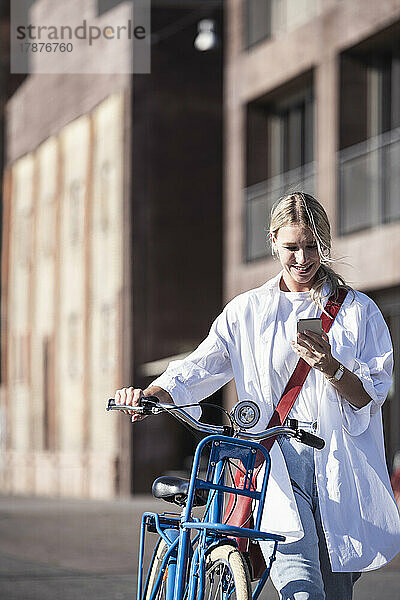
175 489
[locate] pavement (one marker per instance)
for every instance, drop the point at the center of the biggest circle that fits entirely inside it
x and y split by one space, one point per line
60 549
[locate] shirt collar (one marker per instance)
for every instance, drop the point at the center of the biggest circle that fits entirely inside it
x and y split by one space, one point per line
273 286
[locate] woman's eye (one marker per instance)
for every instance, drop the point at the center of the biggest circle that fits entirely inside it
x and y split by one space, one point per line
295 248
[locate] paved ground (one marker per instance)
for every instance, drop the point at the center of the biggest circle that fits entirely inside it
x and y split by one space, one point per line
68 550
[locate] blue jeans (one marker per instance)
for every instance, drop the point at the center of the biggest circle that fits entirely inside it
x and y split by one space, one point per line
302 569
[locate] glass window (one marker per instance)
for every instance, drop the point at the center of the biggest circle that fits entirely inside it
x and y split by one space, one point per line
266 18
279 158
369 156
258 18
106 5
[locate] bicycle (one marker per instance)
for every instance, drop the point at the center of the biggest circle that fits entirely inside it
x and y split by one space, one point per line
197 558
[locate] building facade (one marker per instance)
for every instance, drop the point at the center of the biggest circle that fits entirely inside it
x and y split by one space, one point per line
312 97
63 288
101 219
112 217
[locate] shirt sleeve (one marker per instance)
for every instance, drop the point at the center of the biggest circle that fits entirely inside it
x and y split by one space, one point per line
373 366
204 371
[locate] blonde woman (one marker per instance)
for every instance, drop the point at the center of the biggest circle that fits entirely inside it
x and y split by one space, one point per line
335 506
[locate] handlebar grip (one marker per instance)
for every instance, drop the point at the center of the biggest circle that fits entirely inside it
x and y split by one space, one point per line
147 403
305 437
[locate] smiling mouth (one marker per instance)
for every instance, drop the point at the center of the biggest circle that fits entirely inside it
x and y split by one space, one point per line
303 270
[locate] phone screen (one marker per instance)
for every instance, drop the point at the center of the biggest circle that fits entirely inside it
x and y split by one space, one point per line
314 325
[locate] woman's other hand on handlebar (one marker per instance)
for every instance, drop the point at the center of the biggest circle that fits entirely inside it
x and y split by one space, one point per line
130 397
133 397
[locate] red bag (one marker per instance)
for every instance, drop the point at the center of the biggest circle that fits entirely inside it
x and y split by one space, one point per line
239 508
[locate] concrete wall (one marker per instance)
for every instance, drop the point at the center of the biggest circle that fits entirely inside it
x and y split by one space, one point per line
64 309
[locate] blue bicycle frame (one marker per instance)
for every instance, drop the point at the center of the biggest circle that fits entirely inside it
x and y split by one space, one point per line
211 531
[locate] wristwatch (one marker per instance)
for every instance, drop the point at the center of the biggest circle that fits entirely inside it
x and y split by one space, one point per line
338 374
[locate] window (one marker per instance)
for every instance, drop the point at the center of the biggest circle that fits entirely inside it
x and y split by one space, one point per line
369 156
265 18
104 6
258 19
279 158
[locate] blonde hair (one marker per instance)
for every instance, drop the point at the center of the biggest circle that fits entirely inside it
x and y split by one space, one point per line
298 208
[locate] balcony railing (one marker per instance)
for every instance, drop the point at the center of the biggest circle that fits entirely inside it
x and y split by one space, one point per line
369 182
259 199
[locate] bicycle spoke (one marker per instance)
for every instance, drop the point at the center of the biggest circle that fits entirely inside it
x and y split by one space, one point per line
220 584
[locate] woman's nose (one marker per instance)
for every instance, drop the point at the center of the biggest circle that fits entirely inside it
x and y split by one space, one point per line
301 256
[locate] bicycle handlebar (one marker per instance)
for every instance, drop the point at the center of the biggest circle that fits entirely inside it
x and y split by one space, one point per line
309 439
151 405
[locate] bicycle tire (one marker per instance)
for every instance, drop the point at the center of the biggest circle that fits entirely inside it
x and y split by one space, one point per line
154 569
227 575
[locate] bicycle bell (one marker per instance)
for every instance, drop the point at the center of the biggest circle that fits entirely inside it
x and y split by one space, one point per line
246 414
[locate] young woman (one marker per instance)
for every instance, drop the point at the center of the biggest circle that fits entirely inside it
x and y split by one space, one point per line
335 506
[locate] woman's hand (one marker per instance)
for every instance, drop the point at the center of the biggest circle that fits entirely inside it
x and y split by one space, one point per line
133 396
316 351
130 397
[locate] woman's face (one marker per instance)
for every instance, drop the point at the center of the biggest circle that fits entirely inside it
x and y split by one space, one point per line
298 254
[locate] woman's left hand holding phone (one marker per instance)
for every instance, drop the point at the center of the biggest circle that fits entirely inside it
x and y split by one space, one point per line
315 349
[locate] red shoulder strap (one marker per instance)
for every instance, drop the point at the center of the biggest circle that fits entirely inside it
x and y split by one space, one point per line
299 375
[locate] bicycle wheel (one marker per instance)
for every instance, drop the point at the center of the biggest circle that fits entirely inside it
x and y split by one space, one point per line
154 570
227 575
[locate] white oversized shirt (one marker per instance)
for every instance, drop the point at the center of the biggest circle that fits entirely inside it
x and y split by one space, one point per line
359 514
292 306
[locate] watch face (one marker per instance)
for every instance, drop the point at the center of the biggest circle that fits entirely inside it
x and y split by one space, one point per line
339 373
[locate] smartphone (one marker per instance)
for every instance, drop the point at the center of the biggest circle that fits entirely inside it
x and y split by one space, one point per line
314 325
